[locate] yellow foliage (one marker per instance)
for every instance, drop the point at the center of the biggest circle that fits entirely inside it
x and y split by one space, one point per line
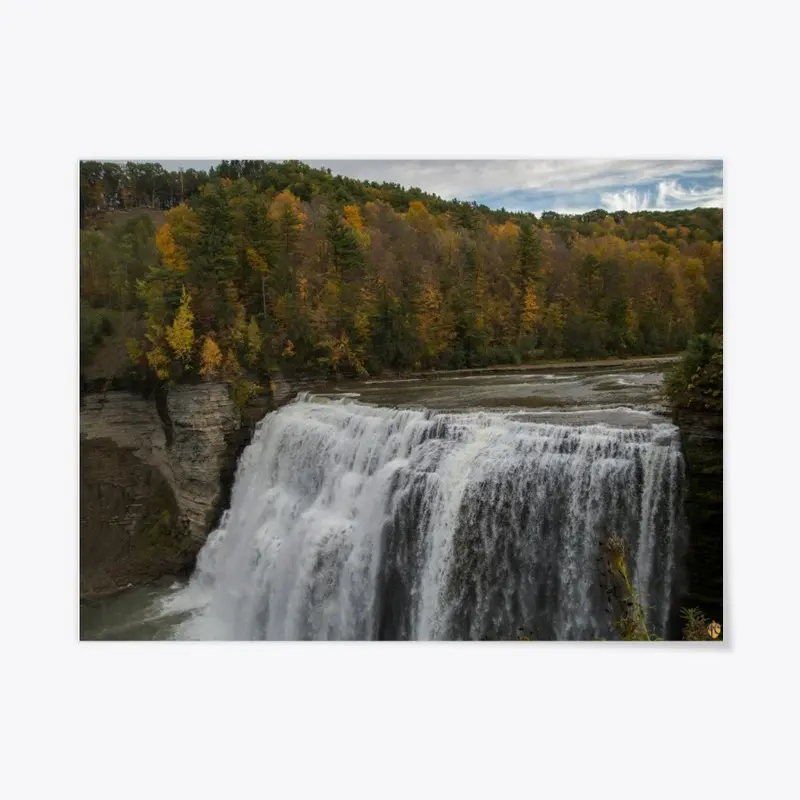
353 217
242 390
419 216
602 247
134 349
173 257
341 352
184 228
211 358
151 292
507 232
530 310
435 329
695 273
288 350
608 223
180 334
258 263
159 362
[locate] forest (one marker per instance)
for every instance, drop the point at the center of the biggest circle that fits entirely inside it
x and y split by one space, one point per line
255 266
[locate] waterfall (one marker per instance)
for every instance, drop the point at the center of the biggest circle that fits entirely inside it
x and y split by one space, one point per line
351 521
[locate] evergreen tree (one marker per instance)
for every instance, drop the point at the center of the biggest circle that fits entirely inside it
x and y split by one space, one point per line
213 259
530 252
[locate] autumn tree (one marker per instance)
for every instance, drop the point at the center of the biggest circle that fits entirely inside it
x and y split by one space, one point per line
180 334
282 265
210 358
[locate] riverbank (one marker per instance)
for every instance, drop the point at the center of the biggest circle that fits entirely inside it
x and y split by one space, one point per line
634 362
547 366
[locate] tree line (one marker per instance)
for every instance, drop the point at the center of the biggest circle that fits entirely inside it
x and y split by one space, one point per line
261 265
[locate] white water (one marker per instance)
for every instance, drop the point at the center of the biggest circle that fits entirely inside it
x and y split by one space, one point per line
350 521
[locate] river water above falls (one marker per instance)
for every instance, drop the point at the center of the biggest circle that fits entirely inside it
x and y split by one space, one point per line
464 507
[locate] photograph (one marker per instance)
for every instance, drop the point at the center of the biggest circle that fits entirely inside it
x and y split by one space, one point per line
401 400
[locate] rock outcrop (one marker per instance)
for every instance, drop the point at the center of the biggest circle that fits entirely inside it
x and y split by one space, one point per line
155 476
282 389
201 422
156 473
129 531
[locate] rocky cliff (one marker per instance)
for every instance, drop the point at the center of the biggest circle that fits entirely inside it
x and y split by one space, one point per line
155 475
701 439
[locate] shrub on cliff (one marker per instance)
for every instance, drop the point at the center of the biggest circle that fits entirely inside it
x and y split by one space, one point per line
630 619
626 608
695 383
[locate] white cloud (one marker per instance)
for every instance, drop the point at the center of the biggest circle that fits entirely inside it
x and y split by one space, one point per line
465 179
625 200
670 195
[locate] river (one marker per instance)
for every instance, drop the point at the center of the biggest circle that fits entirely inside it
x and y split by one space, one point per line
460 507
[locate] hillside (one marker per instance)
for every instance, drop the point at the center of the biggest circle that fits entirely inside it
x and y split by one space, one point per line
257 266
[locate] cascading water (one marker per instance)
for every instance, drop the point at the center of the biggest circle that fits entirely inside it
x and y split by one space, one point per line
350 521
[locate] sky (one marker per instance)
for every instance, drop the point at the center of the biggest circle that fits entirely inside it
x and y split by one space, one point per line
565 186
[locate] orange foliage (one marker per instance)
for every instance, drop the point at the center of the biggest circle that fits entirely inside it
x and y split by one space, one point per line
286 200
166 246
353 217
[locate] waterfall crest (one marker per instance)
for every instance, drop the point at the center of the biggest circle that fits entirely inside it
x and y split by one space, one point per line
350 521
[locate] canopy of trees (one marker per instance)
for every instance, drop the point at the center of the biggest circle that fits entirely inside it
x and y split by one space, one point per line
263 265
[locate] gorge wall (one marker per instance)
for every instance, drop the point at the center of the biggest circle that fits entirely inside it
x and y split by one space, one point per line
155 474
702 445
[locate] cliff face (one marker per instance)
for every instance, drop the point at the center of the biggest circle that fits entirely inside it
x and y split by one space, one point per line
201 423
154 474
701 439
128 520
